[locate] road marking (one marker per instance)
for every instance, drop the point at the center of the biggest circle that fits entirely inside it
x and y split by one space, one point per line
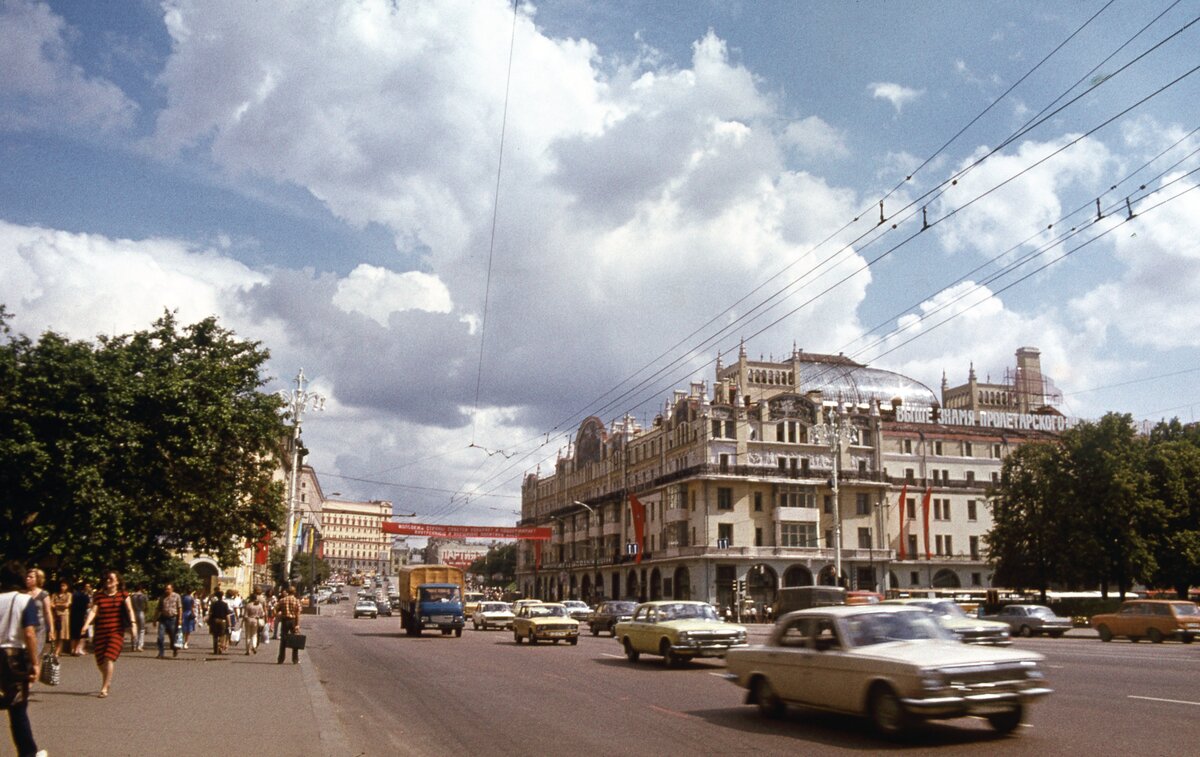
715 673
609 654
1170 701
676 713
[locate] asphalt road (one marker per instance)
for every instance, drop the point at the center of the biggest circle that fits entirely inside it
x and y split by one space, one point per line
483 694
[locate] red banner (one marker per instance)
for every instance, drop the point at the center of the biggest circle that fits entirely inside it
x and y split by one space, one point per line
639 524
903 533
474 532
928 551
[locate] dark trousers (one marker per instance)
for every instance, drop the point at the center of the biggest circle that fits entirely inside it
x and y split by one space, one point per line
288 627
167 627
218 628
22 732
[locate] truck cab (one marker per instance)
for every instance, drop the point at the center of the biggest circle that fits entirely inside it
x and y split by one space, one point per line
431 596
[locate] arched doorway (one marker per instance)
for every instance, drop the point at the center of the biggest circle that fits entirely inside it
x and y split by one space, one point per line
208 572
798 575
683 584
586 586
893 580
655 585
828 576
632 586
946 579
761 581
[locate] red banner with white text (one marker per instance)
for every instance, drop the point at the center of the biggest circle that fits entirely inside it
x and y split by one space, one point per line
473 532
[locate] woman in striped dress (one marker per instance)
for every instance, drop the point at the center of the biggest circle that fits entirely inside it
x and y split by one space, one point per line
105 618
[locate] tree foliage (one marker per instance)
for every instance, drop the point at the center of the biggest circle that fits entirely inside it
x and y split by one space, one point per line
498 566
1114 507
120 451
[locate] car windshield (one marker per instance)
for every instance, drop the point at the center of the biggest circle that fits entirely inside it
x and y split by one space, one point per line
1186 608
1041 612
882 627
685 611
622 608
494 607
439 594
946 609
547 611
575 603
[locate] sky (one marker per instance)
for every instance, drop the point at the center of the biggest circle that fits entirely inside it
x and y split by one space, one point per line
475 224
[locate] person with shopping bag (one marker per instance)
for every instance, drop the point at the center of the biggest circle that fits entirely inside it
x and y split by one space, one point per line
218 623
19 665
253 615
170 618
287 612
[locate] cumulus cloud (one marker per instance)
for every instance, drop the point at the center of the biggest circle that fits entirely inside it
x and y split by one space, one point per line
812 137
897 94
40 78
377 293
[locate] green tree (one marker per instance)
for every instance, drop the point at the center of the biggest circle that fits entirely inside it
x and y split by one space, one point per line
1109 501
1025 541
119 452
1173 464
498 566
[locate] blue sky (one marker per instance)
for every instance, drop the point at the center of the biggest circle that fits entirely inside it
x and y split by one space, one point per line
323 177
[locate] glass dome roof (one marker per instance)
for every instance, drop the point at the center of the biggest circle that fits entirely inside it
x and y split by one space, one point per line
838 377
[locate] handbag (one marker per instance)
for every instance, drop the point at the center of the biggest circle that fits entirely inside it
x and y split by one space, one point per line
294 641
178 638
51 674
235 635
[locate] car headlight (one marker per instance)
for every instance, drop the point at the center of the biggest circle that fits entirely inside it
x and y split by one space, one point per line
684 636
933 679
424 618
741 635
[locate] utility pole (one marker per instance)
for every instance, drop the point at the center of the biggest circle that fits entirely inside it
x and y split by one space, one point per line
836 433
295 403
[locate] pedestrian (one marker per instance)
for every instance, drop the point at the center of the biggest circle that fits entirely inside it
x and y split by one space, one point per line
218 623
189 615
287 611
110 609
272 616
234 600
60 603
170 616
20 665
34 581
139 600
80 601
254 614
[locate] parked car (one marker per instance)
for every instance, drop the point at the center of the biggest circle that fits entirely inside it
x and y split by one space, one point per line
492 615
544 621
1153 619
383 607
1032 620
471 602
678 631
608 614
577 608
365 608
894 664
954 618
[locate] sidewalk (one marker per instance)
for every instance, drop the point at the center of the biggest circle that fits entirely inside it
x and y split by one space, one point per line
192 705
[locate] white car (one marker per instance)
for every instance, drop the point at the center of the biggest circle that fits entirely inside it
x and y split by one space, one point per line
365 608
578 609
894 664
492 615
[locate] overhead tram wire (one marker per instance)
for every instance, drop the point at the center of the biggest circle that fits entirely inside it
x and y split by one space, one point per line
525 457
495 215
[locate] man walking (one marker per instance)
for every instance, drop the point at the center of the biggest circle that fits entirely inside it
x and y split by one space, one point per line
219 614
138 632
170 614
287 611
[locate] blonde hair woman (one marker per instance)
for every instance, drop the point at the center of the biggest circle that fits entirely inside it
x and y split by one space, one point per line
34 581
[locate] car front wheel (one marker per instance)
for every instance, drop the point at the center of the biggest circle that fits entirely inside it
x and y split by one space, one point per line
670 659
1026 631
630 652
1155 635
516 637
887 712
1105 634
531 637
1006 722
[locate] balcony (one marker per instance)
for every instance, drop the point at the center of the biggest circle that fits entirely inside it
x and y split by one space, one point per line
676 515
797 515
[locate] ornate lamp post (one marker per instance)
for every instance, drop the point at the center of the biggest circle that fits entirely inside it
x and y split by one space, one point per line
296 402
594 547
836 432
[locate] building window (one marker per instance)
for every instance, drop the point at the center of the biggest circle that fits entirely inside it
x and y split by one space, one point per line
798 535
974 547
968 451
937 448
758 537
829 538
912 548
758 502
862 504
864 538
724 463
937 542
971 513
829 503
914 579
796 497
804 469
970 477
724 498
725 534
906 446
977 579
910 475
911 506
862 467
996 451
995 478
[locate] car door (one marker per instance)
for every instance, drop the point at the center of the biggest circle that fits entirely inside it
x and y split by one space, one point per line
787 662
831 674
636 629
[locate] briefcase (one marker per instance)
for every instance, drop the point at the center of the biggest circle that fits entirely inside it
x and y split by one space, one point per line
294 641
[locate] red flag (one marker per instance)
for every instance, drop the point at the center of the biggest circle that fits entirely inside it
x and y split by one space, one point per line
928 552
537 555
262 549
903 535
639 524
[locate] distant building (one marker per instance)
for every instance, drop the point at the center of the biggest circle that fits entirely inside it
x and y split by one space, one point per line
737 493
353 539
442 551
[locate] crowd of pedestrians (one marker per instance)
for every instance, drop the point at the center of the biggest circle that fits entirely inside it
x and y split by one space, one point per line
36 624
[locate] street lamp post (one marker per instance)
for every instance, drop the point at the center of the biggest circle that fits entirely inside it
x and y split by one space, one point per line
595 551
836 433
296 402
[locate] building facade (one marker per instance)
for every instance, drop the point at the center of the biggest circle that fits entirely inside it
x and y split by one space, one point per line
442 551
353 540
787 471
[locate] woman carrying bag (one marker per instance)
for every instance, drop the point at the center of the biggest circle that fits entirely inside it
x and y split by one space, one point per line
19 665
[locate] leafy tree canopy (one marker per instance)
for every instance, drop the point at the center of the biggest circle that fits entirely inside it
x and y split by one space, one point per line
120 451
